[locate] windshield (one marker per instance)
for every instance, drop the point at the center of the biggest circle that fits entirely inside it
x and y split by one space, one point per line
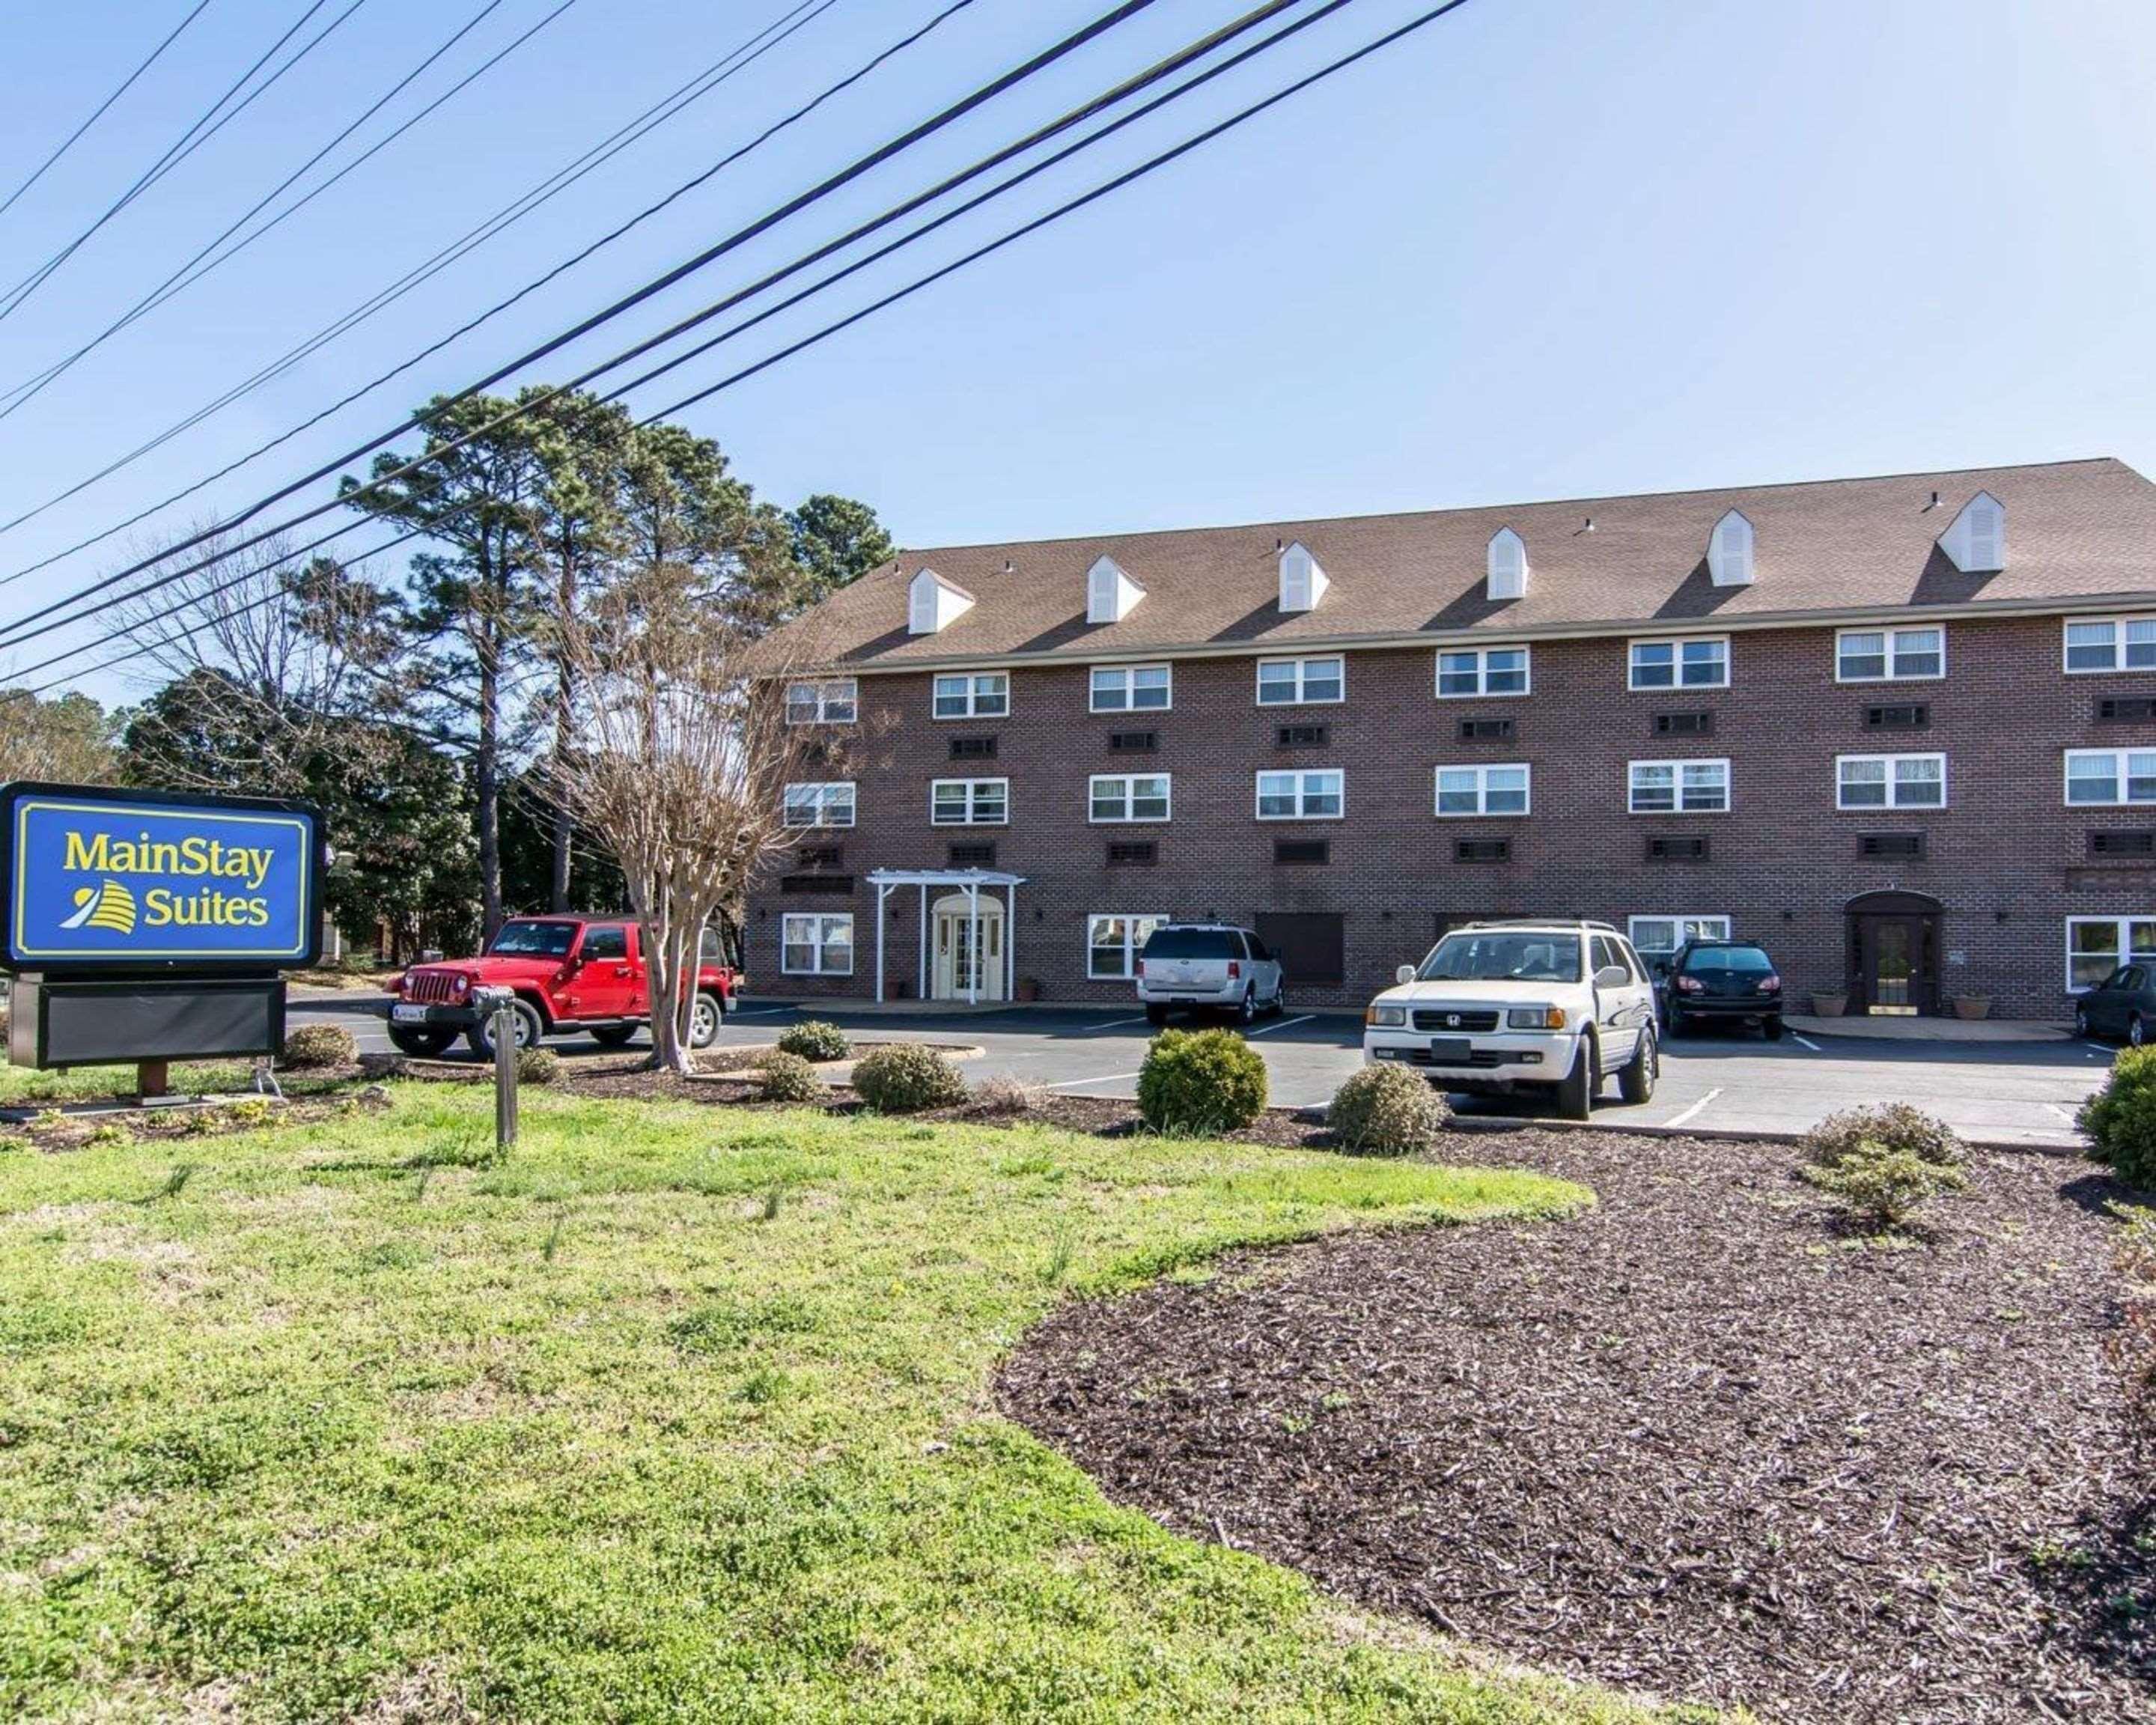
534 939
1192 943
1748 960
1526 956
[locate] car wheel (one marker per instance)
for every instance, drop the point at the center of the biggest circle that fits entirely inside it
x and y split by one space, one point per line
1636 1082
1279 1007
1575 1091
1771 1028
529 1029
1155 1015
2136 1032
1247 1012
705 1018
1676 1026
612 1036
422 1045
2082 1026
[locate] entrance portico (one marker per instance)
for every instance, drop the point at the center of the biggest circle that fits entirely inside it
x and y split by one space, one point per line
970 952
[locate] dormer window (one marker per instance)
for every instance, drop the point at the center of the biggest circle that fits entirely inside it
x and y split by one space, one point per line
1302 583
1508 565
1729 551
1111 594
1975 540
933 604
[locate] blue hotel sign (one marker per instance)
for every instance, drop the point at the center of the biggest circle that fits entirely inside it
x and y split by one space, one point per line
151 882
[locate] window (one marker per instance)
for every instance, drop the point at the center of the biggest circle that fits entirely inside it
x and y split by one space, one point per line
1700 662
1302 682
604 940
1888 655
1483 790
1131 689
834 702
2097 776
1122 796
1481 670
1113 942
819 805
2111 644
1679 788
2096 946
1890 781
1659 937
811 945
1320 795
969 802
972 695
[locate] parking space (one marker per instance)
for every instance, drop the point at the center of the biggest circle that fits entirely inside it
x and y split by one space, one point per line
2016 1093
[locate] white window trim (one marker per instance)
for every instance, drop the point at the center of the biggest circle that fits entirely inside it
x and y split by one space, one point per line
971 785
1893 785
820 785
2120 773
1483 770
1299 774
971 695
1680 762
1130 798
2125 955
818 918
1889 632
1130 972
1299 661
1677 686
1482 690
823 687
1680 918
1092 706
2119 667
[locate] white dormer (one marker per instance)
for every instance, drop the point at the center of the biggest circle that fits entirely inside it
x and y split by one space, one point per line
1111 594
1302 583
1729 550
1508 565
933 604
1975 539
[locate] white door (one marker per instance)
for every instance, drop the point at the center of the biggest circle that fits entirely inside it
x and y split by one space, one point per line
963 951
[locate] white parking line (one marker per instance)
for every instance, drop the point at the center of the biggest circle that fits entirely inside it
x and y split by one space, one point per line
1283 1024
1113 1022
759 1012
1081 1083
1805 1040
1684 1118
2064 1112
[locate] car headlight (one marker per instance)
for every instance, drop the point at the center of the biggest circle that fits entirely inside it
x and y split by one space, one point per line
1535 1017
1386 1016
458 984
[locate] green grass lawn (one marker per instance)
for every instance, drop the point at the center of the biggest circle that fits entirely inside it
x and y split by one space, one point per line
679 1413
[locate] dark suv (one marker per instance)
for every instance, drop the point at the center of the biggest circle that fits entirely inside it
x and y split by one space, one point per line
1725 981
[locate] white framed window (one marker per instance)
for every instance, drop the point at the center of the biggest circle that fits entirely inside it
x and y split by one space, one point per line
1890 782
819 805
2116 776
972 695
1677 787
1114 939
2110 644
1302 682
1658 936
1473 671
1680 662
1111 796
969 803
1132 689
1889 655
812 944
2096 946
835 701
1316 793
1483 790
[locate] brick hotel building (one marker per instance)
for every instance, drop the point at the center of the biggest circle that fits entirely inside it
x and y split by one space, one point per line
1901 730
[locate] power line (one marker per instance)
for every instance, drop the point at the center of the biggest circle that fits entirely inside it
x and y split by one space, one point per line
98 113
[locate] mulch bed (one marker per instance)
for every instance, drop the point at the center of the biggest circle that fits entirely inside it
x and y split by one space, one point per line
1701 1441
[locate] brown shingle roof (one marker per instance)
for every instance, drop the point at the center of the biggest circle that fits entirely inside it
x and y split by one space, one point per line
2074 530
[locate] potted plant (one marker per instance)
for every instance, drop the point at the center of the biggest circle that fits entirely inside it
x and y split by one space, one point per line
1972 1006
1829 1006
1028 988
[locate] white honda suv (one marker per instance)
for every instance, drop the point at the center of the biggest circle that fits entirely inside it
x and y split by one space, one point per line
1508 1006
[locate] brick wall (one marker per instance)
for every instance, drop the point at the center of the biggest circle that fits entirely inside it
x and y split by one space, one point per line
2007 859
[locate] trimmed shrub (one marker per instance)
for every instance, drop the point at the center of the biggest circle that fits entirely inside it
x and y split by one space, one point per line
906 1078
314 1046
784 1077
537 1065
1884 1182
1006 1093
1892 1125
2119 1121
814 1040
1201 1081
1387 1111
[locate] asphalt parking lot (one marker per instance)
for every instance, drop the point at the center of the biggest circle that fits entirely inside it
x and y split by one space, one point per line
2007 1093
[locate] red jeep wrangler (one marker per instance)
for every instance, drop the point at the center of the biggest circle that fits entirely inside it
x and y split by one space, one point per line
566 973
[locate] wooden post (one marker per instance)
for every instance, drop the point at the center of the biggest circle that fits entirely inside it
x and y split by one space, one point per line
152 1078
505 1078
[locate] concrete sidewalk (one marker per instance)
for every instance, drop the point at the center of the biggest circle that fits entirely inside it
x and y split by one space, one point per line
1893 1028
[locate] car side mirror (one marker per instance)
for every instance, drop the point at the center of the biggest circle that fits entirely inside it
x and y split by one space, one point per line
1612 976
1405 973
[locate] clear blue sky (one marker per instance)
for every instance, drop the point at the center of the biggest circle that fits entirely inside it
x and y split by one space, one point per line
1541 249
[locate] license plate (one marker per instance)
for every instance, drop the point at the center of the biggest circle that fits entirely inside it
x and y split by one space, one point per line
408 1014
1450 1050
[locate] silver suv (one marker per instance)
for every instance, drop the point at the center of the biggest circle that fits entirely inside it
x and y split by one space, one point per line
1555 1006
1210 967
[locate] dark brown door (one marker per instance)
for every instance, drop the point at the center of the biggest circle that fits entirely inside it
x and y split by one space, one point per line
1895 961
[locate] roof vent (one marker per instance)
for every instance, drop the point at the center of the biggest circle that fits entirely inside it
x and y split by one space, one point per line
1111 594
1729 551
1975 539
932 603
1302 583
1508 565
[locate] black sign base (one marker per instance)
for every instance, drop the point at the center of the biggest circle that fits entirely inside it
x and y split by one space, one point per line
121 1021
